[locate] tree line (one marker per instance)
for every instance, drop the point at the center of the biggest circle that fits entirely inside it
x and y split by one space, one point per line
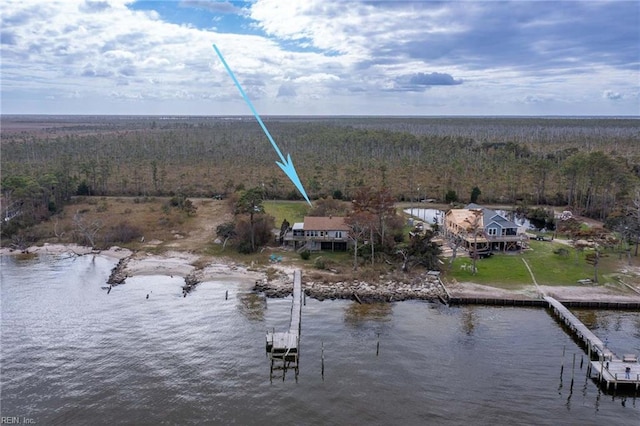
590 165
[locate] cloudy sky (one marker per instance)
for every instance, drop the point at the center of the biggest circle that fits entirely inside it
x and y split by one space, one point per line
326 57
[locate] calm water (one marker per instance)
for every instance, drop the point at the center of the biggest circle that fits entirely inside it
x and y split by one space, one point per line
73 355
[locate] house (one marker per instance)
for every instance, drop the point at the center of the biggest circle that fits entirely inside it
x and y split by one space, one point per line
484 229
319 233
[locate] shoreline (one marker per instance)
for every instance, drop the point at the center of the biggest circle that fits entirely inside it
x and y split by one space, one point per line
196 269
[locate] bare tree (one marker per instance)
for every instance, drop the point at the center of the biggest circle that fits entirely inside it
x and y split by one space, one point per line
455 243
380 210
476 229
88 230
359 226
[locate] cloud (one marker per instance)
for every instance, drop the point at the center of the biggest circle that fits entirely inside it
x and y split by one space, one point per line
534 99
324 56
611 95
94 6
286 90
213 6
420 81
433 79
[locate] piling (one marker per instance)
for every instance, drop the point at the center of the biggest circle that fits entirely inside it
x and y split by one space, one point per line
322 360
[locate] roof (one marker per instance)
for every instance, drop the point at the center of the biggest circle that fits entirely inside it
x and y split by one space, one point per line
490 216
297 226
325 223
463 218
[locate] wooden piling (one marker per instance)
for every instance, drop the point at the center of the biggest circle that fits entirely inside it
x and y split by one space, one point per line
322 359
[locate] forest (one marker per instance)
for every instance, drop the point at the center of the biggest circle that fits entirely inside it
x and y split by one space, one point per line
588 165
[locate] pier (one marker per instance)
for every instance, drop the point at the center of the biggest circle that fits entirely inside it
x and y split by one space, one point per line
284 346
604 365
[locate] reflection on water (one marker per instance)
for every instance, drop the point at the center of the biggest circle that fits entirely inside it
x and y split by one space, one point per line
356 314
619 329
252 306
468 320
71 354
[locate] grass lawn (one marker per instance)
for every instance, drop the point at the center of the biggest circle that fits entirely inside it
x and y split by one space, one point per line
293 211
501 270
509 271
552 269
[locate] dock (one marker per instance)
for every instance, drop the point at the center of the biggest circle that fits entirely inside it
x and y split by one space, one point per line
604 365
284 346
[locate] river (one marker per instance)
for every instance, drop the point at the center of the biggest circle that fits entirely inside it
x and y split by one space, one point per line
72 354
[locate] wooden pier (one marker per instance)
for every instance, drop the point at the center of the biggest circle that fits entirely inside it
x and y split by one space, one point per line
284 346
604 365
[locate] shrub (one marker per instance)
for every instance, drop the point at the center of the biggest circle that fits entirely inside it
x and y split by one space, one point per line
319 263
122 233
305 255
561 252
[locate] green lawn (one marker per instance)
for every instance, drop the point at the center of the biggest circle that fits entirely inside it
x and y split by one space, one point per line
500 270
509 271
293 211
552 269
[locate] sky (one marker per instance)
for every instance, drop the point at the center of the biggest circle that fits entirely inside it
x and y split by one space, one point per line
321 57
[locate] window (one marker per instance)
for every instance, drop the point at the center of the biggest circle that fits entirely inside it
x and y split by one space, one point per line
493 231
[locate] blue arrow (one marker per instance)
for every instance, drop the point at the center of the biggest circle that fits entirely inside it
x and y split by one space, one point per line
285 165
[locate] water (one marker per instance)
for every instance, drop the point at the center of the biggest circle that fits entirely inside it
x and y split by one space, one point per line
429 216
73 355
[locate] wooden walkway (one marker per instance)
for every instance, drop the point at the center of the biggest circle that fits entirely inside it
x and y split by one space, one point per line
284 346
607 368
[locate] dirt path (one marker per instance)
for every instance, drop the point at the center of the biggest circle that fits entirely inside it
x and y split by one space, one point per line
201 230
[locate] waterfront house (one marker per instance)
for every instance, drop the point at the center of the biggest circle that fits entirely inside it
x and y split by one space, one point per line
483 229
319 233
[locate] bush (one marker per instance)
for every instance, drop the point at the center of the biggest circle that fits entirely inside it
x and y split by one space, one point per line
84 189
561 252
450 196
305 255
319 263
263 224
122 233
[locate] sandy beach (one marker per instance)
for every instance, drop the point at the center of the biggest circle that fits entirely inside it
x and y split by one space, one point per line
198 269
593 293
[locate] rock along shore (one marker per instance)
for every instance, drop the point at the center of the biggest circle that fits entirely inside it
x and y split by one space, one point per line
420 288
